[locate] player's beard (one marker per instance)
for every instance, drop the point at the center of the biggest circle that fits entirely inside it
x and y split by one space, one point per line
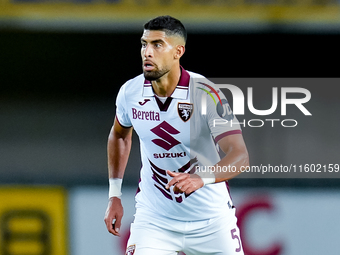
155 74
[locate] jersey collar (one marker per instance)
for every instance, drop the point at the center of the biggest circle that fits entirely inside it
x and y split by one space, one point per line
181 91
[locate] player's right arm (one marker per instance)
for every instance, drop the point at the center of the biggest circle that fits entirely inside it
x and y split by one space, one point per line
118 150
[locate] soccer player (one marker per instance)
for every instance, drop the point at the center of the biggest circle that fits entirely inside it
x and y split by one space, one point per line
181 118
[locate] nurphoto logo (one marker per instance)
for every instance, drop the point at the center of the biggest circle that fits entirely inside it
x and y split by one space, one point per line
227 115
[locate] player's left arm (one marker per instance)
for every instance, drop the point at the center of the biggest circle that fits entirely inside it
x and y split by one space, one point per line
236 159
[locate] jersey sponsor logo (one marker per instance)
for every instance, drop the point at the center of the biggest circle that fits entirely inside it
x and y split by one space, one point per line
224 111
145 115
145 101
222 108
164 131
161 179
185 111
170 155
130 250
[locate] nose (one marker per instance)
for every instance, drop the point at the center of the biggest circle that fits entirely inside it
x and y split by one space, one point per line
147 51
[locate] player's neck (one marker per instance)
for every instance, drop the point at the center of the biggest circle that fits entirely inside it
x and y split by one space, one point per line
164 86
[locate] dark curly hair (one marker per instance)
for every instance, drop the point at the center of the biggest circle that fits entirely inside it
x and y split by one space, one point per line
168 24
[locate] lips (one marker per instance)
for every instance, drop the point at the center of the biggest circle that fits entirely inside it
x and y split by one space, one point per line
148 66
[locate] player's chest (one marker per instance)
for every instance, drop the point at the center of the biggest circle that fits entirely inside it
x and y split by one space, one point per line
150 118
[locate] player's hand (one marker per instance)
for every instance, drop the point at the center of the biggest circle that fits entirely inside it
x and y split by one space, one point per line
184 182
113 212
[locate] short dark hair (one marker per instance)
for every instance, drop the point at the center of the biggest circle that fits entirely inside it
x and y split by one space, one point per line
168 24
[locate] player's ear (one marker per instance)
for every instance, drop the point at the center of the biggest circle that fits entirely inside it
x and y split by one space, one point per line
180 49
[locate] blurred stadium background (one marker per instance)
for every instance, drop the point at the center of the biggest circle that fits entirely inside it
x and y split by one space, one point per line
61 65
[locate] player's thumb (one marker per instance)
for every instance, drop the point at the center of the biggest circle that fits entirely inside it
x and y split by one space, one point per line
118 224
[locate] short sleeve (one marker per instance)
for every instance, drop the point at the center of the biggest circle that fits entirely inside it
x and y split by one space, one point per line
122 115
221 120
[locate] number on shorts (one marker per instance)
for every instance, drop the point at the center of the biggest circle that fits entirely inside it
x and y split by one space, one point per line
233 236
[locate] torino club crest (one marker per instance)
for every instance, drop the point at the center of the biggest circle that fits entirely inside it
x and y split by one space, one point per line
185 111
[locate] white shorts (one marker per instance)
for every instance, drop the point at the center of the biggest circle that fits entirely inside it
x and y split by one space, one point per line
157 235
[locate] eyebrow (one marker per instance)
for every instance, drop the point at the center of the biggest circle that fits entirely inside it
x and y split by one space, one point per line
154 41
